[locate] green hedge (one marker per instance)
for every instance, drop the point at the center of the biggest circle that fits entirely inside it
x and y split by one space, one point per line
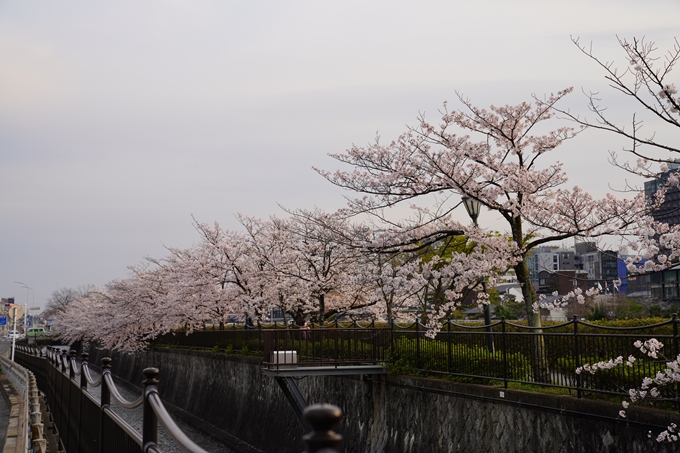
409 357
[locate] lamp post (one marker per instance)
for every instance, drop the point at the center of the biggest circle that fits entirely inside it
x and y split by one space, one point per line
472 207
27 305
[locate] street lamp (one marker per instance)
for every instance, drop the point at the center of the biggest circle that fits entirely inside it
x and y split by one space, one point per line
473 207
27 305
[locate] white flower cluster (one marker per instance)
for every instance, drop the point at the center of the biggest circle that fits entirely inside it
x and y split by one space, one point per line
577 295
651 347
670 435
604 365
650 385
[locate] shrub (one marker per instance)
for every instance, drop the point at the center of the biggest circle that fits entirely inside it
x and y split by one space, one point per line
440 357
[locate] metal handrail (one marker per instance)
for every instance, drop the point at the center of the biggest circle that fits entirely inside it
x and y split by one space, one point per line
90 380
174 431
125 404
74 366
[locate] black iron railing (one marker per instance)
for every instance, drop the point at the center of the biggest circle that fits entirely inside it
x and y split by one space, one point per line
325 347
88 425
546 356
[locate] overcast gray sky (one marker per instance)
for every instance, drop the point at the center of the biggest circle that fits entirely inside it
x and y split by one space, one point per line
119 120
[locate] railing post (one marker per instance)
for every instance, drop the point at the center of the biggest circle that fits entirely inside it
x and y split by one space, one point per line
391 326
66 400
105 402
150 422
417 345
322 418
505 352
675 354
449 357
577 357
71 361
83 388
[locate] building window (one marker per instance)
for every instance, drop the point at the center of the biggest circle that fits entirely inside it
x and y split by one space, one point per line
669 292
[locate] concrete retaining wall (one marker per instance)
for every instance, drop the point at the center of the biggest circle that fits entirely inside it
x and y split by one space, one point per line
388 413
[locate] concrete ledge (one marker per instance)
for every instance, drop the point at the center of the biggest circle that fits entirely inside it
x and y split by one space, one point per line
14 402
302 371
568 405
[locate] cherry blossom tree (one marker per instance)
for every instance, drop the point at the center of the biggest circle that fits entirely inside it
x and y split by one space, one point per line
505 170
644 79
320 258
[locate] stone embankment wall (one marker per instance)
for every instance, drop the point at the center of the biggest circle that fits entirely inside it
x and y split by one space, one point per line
385 413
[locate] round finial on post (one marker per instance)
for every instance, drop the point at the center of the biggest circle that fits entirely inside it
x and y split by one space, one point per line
151 375
85 356
322 418
106 363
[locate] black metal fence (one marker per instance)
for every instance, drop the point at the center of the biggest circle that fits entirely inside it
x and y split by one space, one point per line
88 425
325 347
501 353
548 356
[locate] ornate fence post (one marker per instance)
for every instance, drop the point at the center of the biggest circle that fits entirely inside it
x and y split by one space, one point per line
81 398
322 418
449 357
71 361
150 422
576 356
417 344
675 354
83 364
105 402
505 352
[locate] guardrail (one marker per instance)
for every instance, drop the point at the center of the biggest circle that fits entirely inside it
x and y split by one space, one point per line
87 425
30 429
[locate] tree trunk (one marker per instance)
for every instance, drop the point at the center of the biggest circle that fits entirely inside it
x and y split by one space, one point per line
322 309
539 363
528 292
389 303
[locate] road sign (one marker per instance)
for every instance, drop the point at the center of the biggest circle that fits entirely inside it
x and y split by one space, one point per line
15 312
34 309
3 320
